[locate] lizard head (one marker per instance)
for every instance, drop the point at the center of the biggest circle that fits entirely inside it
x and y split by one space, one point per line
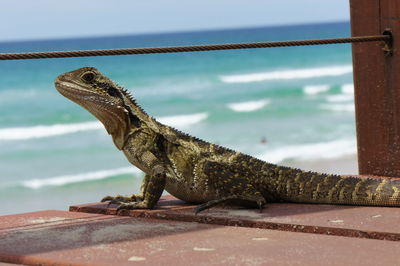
107 101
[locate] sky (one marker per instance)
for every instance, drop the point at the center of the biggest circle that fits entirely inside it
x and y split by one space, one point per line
50 19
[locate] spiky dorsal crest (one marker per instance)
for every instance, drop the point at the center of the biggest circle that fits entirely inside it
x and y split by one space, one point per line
171 134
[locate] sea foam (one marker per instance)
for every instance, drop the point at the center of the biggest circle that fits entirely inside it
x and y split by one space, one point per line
348 88
340 98
182 121
248 106
41 131
70 179
313 151
304 73
315 89
346 95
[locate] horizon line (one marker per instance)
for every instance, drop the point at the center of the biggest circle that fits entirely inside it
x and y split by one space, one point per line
60 38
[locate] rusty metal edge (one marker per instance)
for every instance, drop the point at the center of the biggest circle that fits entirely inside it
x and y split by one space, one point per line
177 215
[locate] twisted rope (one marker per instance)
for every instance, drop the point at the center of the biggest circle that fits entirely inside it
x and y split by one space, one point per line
193 48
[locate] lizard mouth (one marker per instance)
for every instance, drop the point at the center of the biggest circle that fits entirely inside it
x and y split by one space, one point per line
73 91
88 99
109 113
81 95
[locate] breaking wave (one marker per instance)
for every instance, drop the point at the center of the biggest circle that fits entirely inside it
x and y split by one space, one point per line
315 89
248 106
181 121
340 98
314 151
348 88
78 178
43 131
304 73
23 133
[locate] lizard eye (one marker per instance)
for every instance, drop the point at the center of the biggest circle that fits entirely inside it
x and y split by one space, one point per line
88 76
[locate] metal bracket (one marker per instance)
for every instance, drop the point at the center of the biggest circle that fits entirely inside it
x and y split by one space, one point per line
388 48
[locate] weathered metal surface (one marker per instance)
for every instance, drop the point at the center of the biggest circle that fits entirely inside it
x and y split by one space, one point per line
377 87
62 238
351 221
16 221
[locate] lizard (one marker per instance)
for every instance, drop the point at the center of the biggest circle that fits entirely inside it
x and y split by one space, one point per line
203 173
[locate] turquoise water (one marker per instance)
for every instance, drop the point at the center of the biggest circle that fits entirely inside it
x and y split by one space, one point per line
53 153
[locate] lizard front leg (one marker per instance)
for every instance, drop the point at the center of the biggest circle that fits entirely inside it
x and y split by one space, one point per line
153 185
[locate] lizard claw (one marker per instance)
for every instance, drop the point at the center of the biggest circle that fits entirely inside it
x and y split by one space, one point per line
207 205
198 209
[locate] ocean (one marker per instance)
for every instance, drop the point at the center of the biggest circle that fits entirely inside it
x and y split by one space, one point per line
292 106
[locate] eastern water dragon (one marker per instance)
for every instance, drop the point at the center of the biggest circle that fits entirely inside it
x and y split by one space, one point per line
203 173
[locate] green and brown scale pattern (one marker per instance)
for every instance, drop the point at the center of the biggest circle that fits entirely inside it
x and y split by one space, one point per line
200 172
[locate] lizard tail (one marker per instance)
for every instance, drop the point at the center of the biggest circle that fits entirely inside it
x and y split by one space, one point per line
335 189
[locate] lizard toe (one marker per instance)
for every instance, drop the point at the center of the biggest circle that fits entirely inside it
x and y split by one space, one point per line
133 205
107 198
118 199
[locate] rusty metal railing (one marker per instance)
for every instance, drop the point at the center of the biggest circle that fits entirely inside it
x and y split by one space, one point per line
193 48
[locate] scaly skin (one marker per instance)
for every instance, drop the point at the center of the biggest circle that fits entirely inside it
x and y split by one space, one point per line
203 173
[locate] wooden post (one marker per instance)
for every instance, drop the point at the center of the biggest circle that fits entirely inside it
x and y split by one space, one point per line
377 87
